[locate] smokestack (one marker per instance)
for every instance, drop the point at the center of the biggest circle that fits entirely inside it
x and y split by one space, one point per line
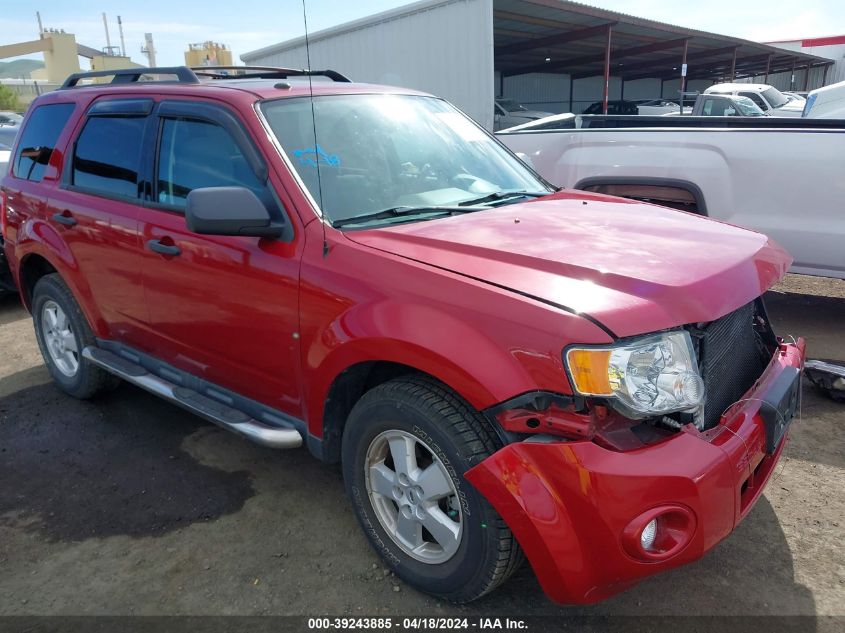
149 50
122 42
108 39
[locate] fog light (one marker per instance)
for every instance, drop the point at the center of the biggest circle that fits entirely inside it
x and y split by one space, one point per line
659 533
648 535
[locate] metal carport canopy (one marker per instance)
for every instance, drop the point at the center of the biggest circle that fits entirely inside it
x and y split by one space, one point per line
557 36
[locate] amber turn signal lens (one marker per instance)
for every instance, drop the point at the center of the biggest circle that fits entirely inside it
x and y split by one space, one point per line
589 371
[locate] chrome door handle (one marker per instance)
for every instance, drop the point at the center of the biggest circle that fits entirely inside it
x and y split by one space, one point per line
67 220
164 249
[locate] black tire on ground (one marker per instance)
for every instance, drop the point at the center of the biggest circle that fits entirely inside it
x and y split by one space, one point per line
458 435
88 380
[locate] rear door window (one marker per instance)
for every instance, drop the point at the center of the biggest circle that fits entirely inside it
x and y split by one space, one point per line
194 154
107 155
38 140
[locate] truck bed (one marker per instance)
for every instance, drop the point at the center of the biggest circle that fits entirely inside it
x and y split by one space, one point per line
782 177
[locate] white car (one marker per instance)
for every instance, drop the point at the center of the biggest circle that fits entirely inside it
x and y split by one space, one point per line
5 155
826 103
508 113
659 107
7 139
768 98
10 118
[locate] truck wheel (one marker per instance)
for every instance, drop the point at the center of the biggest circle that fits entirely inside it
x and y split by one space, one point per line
406 446
63 332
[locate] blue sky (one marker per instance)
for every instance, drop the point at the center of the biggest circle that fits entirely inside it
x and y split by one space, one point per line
249 24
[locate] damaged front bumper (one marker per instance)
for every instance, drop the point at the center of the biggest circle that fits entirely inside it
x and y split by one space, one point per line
578 509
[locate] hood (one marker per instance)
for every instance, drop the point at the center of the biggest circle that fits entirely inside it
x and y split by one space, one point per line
632 267
536 114
791 106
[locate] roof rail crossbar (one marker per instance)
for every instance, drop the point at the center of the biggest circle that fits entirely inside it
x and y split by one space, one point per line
183 74
265 72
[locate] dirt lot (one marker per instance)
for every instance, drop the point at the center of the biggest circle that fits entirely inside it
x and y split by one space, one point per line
128 505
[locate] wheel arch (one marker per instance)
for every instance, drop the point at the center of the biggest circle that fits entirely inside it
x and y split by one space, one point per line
41 247
345 390
375 341
38 261
32 268
330 411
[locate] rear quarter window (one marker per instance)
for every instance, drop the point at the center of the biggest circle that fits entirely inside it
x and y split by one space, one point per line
38 140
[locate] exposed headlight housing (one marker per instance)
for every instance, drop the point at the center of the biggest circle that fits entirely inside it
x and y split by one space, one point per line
649 376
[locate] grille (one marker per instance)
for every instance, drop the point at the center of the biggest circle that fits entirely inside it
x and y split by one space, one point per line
730 358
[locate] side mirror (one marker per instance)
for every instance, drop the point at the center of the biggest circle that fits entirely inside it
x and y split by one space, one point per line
229 211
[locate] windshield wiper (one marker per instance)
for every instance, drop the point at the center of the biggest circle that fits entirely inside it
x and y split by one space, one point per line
462 207
502 195
398 212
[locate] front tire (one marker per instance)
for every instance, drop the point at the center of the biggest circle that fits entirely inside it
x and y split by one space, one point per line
406 447
63 332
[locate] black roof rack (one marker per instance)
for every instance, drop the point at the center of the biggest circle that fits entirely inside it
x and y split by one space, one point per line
264 72
185 75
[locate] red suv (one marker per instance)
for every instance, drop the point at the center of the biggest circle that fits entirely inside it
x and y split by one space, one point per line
499 367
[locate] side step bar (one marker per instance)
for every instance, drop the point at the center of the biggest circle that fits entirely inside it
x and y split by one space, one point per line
203 406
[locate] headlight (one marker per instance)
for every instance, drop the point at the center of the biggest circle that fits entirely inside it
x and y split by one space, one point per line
653 375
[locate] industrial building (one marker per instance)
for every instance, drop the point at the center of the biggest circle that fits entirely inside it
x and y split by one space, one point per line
208 54
832 47
550 55
61 54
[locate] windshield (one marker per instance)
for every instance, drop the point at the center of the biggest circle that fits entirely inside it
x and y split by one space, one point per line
376 152
747 107
509 105
775 97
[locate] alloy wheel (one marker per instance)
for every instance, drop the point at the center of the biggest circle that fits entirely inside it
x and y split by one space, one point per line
413 497
59 338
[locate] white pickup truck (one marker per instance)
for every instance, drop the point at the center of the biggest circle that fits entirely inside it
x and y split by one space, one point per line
783 177
768 98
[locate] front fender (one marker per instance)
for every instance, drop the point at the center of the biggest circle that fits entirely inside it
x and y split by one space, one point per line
489 344
419 336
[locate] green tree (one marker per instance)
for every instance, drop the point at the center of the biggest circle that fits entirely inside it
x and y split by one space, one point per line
9 99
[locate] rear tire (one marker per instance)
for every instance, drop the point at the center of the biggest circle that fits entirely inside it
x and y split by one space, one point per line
413 439
63 332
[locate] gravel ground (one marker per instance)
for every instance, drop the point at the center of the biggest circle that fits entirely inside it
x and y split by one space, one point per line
128 505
